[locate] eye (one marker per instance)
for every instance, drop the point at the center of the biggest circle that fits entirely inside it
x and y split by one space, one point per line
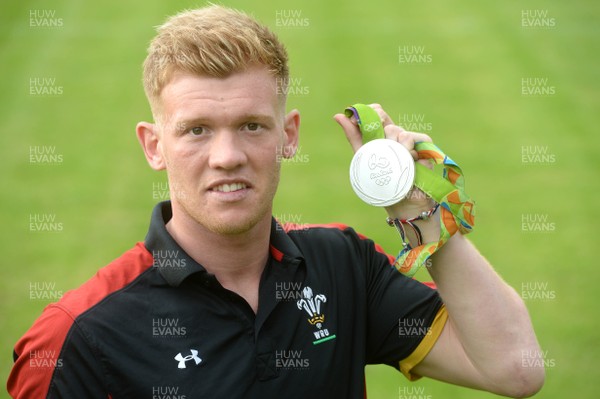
197 131
253 127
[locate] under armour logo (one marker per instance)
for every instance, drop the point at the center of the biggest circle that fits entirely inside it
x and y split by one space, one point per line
182 360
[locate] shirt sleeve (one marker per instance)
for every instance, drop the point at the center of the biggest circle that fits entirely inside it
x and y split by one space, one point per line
406 365
53 360
404 316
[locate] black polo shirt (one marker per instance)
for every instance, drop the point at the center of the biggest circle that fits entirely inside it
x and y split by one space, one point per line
155 324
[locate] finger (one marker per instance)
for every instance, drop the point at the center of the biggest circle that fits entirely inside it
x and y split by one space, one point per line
406 138
418 137
350 129
426 162
385 118
409 144
393 132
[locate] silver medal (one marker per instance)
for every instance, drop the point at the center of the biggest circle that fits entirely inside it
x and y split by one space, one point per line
382 172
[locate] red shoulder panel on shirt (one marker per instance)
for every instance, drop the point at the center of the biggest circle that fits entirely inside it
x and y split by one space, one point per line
39 349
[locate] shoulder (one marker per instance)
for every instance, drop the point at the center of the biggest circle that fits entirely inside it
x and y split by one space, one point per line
108 280
333 236
111 278
330 231
39 351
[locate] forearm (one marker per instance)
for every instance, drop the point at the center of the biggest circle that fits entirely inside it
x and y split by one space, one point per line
488 325
481 305
489 317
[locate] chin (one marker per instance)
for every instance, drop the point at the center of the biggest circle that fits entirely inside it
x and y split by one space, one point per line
233 226
230 229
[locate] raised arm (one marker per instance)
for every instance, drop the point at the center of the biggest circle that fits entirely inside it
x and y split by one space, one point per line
488 328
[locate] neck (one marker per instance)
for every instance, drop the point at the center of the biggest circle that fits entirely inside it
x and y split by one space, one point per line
237 261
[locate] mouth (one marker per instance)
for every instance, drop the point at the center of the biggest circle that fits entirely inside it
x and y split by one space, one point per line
229 187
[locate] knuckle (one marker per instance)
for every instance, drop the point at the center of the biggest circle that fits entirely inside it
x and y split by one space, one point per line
393 130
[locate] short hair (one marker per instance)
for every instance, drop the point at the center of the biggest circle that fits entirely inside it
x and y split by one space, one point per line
214 41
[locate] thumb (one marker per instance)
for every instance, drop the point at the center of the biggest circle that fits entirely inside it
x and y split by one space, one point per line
350 129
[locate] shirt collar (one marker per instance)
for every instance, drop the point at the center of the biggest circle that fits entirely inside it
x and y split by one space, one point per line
175 265
283 249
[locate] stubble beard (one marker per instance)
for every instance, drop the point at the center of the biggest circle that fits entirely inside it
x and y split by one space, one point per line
227 227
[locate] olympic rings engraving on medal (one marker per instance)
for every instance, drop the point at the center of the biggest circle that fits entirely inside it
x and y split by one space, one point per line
382 182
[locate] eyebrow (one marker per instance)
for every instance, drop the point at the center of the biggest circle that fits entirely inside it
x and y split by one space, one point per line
183 124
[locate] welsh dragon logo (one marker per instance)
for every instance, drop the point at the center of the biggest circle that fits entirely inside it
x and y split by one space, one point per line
312 305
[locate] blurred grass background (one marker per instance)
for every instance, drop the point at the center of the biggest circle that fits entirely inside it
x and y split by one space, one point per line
469 95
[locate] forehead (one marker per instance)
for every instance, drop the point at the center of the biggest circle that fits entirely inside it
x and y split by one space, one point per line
188 95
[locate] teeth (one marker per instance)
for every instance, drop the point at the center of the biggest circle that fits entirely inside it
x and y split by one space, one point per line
225 188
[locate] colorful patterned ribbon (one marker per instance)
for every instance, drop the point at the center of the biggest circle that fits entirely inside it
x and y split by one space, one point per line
448 190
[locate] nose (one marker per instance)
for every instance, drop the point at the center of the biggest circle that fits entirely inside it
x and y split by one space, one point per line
226 151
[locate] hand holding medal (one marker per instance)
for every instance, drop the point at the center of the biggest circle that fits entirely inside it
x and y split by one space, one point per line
383 172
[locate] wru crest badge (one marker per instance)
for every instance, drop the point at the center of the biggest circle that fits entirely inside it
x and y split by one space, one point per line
312 305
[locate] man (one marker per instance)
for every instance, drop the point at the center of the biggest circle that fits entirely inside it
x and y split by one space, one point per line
220 301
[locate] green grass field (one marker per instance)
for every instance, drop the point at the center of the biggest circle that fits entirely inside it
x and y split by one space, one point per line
509 89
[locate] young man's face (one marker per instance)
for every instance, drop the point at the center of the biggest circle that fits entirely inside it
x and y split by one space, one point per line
221 141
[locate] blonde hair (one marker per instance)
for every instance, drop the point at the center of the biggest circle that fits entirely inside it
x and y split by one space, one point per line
214 41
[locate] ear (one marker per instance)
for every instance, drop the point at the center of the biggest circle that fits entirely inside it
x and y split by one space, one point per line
291 128
150 140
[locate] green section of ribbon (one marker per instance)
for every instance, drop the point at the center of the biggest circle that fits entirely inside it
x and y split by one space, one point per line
430 183
457 209
368 120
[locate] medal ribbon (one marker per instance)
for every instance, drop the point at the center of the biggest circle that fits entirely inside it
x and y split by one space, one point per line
448 190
